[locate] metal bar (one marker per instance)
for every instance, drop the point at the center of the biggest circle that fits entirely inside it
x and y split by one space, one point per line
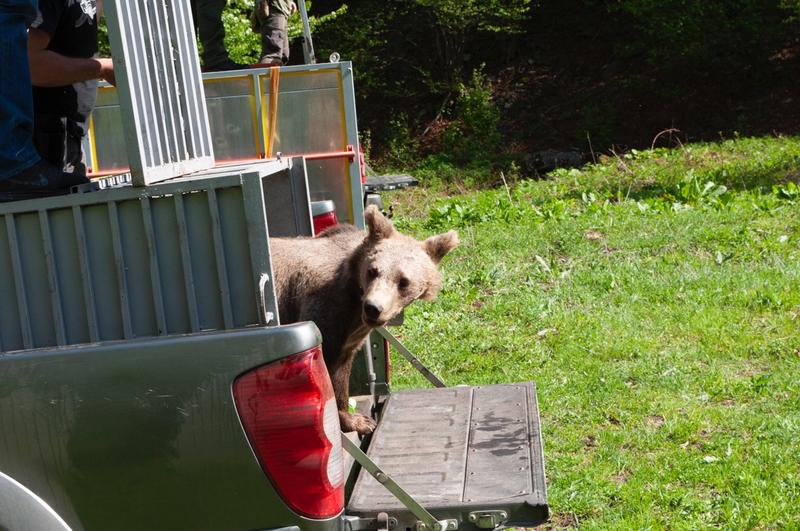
119 262
119 16
258 237
194 114
86 275
356 206
219 252
52 279
166 85
155 275
156 89
308 43
19 282
326 155
186 260
427 519
432 378
371 376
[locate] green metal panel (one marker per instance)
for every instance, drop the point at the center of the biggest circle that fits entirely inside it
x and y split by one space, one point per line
183 256
143 434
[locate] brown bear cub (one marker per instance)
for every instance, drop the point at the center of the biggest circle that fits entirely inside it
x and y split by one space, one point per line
349 282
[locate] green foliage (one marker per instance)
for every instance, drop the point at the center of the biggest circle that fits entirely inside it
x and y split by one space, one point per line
103 48
401 146
790 192
602 188
412 57
472 135
244 46
716 33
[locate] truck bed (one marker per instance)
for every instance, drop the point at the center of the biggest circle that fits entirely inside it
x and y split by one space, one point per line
461 452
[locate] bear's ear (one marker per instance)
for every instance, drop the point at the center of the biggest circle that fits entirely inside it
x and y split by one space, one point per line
440 245
379 225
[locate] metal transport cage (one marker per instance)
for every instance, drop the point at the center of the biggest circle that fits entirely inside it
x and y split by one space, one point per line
255 114
188 255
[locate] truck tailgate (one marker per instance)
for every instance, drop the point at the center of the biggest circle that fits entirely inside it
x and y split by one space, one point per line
467 453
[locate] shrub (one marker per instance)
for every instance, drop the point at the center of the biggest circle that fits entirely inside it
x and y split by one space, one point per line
473 136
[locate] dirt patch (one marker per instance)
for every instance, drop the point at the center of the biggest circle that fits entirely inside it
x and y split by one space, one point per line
560 521
620 479
654 421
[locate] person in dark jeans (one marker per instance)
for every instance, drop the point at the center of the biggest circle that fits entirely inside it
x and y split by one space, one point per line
23 173
271 18
207 15
62 50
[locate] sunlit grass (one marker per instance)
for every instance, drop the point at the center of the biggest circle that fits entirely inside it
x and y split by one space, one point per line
658 315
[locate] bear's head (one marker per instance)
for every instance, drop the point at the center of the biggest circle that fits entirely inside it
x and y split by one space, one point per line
396 269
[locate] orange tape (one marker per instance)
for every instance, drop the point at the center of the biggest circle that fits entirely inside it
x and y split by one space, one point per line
274 83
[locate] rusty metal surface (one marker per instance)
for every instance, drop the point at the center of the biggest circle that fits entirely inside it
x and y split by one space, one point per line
457 450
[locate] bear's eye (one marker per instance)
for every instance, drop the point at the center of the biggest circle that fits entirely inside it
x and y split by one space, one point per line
402 283
372 273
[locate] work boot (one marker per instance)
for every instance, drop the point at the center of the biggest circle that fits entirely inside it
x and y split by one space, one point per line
43 179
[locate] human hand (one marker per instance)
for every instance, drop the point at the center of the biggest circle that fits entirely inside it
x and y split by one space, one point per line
107 70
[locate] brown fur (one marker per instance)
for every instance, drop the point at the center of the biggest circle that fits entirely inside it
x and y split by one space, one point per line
349 282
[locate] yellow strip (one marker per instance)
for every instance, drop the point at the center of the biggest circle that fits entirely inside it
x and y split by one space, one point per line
254 113
93 142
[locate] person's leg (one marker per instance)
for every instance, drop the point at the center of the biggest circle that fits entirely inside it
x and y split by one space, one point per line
17 152
211 31
274 38
285 47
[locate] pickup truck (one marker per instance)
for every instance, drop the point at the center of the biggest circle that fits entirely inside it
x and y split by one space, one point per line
146 379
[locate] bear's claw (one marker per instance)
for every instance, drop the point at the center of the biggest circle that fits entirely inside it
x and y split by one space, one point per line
356 422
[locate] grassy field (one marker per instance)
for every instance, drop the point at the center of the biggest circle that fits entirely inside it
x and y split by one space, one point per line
655 300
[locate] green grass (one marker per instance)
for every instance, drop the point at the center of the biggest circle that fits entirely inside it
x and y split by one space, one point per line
659 316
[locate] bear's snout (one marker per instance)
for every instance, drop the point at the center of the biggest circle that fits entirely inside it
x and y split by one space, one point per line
372 312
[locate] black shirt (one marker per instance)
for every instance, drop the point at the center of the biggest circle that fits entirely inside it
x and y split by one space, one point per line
72 26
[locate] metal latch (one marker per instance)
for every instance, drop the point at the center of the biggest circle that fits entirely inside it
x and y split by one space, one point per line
382 522
488 519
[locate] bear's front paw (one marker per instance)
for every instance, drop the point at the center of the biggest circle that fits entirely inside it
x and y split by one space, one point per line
356 422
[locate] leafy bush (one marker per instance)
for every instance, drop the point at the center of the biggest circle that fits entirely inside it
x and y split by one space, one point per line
473 134
401 146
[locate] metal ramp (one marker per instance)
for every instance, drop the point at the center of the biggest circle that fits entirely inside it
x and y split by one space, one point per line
471 454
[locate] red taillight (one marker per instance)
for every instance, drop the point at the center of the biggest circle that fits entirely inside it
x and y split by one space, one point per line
323 221
324 215
289 413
